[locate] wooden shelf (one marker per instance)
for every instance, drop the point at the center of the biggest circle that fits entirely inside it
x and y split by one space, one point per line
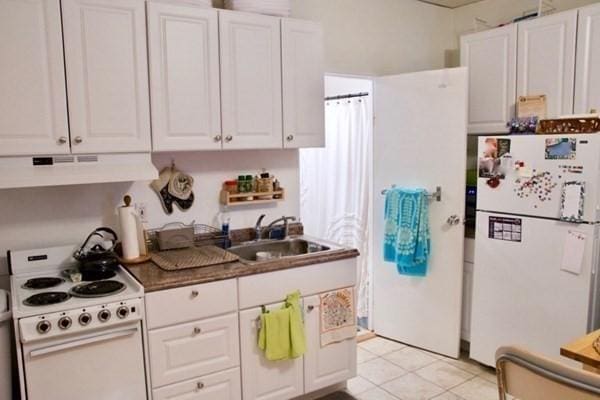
239 199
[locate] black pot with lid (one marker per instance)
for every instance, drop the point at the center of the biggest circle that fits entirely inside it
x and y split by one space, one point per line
97 257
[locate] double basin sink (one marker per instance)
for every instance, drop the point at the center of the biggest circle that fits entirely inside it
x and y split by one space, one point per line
265 250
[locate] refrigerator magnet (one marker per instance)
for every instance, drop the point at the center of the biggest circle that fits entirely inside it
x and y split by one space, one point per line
571 201
561 149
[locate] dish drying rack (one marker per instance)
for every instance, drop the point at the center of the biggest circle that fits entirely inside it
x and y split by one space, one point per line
204 235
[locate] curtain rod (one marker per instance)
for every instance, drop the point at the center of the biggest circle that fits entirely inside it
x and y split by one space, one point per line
347 96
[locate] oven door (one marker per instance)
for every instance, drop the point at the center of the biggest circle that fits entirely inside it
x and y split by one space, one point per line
107 364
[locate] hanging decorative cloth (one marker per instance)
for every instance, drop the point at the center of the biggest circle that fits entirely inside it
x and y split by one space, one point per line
407 236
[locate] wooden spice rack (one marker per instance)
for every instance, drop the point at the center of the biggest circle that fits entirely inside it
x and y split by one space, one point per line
240 199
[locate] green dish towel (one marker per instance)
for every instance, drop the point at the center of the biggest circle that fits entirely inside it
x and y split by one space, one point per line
281 334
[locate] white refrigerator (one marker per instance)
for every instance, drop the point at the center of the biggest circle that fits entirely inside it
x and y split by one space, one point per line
536 248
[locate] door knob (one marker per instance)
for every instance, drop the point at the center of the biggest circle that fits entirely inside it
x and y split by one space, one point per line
228 138
197 331
218 138
62 140
453 220
78 139
290 138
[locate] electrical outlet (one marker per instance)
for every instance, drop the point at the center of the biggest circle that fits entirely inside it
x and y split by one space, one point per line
142 212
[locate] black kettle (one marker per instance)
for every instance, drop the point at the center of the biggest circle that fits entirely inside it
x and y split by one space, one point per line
98 261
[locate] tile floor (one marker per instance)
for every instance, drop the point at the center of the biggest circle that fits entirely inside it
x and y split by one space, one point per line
389 370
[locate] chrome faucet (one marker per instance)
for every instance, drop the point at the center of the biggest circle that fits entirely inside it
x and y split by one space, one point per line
258 227
283 219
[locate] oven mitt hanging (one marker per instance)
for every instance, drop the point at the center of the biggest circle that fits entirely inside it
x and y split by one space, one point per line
180 185
173 186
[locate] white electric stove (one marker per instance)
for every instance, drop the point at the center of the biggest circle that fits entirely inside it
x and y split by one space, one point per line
76 339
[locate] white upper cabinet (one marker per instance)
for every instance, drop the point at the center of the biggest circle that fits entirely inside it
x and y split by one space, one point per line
250 80
107 75
546 60
183 44
33 105
303 84
492 60
587 87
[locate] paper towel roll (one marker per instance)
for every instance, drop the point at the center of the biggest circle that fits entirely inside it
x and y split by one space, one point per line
129 232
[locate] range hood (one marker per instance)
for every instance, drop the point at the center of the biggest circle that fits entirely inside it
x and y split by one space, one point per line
36 171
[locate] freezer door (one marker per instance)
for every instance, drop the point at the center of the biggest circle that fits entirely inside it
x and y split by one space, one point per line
521 296
535 188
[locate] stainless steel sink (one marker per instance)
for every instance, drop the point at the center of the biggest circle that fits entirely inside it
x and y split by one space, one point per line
265 250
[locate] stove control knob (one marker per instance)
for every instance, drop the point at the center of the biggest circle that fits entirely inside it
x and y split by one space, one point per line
64 323
104 315
85 319
122 312
43 326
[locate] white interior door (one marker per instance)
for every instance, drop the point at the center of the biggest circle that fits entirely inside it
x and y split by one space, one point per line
420 141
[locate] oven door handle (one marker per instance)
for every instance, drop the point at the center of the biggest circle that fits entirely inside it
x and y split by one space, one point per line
82 342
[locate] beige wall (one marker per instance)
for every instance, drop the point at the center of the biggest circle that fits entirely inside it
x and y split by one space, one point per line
380 37
497 12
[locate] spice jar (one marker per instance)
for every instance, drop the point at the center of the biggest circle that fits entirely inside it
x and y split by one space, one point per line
231 186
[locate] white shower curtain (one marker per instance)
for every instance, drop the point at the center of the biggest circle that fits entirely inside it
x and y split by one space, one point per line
334 184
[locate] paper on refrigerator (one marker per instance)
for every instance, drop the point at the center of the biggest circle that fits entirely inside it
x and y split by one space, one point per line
574 249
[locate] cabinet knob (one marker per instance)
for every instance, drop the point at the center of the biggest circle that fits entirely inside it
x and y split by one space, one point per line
197 331
62 140
228 138
290 138
195 293
218 138
78 139
310 308
200 385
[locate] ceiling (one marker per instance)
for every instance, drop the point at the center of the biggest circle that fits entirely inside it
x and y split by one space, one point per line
450 3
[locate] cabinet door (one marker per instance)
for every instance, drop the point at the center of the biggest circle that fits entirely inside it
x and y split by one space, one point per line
491 57
33 103
189 350
107 75
325 366
587 86
303 84
547 60
263 379
250 80
183 43
220 386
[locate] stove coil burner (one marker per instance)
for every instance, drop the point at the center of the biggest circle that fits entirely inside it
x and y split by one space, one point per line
42 283
46 298
97 289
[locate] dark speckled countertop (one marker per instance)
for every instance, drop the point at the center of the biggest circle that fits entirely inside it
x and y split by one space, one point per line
154 278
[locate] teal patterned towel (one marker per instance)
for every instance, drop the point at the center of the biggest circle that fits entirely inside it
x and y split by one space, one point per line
407 239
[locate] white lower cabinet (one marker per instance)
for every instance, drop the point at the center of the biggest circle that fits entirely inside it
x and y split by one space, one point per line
220 386
263 379
324 366
208 348
193 349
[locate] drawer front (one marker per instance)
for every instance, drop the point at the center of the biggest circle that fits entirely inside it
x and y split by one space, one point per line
190 303
193 349
272 287
220 386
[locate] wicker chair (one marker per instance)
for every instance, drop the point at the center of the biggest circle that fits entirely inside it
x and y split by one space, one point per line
527 376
